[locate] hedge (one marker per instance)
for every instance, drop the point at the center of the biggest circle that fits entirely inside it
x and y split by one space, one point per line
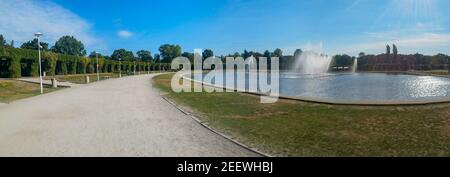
15 63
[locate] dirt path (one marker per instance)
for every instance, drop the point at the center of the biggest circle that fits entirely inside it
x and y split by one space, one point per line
118 117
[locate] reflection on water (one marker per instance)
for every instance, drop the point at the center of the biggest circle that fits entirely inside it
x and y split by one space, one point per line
362 86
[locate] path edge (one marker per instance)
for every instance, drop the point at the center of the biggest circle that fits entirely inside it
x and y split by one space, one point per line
196 119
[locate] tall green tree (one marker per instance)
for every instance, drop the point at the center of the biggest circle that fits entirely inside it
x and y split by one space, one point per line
207 53
361 54
168 52
342 61
157 58
94 54
278 53
388 50
394 50
69 45
246 54
144 55
188 55
298 52
33 45
123 54
2 41
266 54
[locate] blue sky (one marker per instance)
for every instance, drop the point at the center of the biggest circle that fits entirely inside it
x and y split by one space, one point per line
328 26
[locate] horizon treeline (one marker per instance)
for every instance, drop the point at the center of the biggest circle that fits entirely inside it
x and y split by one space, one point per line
389 61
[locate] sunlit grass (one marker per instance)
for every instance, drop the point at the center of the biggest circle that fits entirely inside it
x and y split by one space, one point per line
11 90
294 128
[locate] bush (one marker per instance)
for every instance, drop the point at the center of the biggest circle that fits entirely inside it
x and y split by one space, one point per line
13 60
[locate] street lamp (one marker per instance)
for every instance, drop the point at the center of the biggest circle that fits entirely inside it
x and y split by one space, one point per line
98 75
134 63
120 68
38 34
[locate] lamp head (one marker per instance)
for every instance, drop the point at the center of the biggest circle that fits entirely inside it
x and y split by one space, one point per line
38 34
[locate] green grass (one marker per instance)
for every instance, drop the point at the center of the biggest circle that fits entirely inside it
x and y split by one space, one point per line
294 128
11 90
81 78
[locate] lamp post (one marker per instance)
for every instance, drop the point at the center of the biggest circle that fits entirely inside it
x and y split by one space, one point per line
120 68
134 63
98 75
38 34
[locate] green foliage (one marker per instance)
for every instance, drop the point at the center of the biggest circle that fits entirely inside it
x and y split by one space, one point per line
298 52
95 54
207 53
169 52
402 62
122 54
2 41
188 55
342 61
144 55
33 45
278 53
70 46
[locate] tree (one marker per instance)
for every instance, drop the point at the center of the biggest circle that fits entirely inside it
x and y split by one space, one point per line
144 55
298 52
266 54
2 41
395 51
94 55
246 54
388 50
122 54
207 53
188 55
278 53
361 54
70 46
33 45
342 61
168 52
157 58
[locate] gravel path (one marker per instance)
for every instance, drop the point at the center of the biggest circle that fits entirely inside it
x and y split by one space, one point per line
118 117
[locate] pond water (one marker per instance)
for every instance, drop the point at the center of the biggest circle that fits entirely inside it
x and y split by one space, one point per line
361 86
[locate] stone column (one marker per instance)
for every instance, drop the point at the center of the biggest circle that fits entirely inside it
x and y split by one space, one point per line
54 83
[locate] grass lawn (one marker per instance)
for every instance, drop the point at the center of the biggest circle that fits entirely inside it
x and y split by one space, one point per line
11 90
81 78
294 128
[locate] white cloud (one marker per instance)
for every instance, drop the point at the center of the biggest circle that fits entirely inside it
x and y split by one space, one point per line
21 19
124 34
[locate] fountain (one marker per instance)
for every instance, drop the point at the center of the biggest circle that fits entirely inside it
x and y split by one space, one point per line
252 64
310 62
355 65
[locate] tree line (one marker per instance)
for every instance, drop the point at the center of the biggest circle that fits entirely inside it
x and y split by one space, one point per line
70 47
393 61
66 56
